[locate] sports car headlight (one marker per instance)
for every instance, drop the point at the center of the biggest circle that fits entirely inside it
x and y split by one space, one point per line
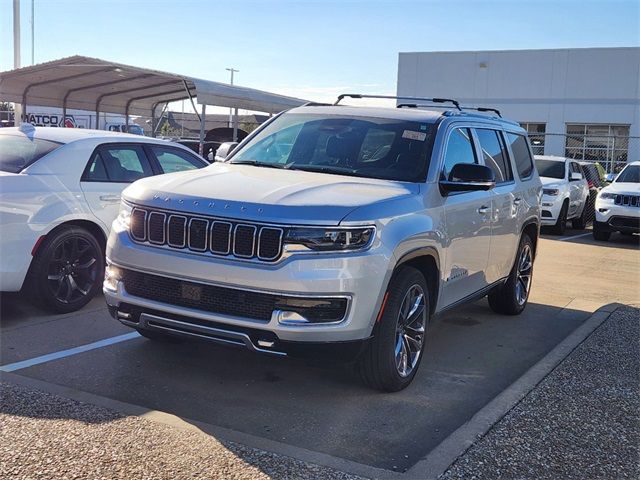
328 239
607 196
550 191
124 215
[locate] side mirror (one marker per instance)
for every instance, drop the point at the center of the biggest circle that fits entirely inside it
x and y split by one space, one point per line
610 177
468 177
224 150
575 176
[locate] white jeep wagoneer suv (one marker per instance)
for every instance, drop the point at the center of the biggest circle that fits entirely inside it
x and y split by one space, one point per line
333 229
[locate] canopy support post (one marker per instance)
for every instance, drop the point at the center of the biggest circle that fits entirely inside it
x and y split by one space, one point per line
202 118
235 124
193 104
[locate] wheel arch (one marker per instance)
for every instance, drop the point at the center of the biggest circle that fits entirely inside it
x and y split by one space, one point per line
95 229
427 261
532 228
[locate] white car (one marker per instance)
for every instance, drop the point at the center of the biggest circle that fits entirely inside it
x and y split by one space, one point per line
565 193
59 194
618 205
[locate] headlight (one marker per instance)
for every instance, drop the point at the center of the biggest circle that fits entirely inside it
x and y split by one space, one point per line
124 215
607 196
327 239
550 191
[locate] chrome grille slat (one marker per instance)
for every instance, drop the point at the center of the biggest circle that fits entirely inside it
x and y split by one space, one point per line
214 236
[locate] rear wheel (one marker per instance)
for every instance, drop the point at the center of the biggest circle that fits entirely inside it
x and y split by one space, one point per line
511 297
561 223
67 270
394 354
600 232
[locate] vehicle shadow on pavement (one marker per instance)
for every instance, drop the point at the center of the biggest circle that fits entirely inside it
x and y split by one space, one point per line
617 240
472 355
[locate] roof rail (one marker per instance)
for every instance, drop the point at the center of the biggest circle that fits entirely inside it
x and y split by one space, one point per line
484 109
315 104
393 97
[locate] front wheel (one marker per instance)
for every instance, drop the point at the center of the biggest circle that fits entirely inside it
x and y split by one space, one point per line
511 297
394 354
580 223
600 233
67 271
561 223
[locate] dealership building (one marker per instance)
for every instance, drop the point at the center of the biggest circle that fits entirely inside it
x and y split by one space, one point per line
581 103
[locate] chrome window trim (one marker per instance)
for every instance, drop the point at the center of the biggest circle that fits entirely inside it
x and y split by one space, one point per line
184 231
144 225
253 244
164 227
280 248
206 235
217 252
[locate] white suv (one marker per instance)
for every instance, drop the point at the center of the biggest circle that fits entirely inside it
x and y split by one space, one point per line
565 193
618 205
333 230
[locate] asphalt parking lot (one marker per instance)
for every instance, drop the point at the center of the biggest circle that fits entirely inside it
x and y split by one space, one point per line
472 356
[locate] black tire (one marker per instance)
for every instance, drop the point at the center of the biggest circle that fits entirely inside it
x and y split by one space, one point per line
600 232
507 298
561 223
380 367
67 271
580 223
157 336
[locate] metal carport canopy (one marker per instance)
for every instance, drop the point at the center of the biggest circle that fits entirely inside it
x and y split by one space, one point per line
97 85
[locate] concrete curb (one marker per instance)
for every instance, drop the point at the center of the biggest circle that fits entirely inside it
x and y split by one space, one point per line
431 466
436 462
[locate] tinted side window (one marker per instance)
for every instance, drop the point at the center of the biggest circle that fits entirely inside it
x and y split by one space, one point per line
125 163
459 150
96 171
522 155
494 154
174 160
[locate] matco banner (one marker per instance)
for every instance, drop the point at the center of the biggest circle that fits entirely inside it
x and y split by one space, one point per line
55 120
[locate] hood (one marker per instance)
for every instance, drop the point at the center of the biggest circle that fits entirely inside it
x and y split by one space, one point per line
551 182
628 188
264 194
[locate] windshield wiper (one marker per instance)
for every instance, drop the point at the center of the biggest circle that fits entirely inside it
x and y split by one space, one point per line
255 163
321 169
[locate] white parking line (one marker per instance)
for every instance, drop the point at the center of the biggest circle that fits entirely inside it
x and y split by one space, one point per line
12 367
574 236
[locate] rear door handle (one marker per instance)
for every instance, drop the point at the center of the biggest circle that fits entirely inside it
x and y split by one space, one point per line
110 198
517 201
483 209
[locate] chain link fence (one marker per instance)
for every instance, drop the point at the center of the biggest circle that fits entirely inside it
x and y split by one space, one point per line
612 152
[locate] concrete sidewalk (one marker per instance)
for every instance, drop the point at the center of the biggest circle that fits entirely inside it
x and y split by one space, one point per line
581 422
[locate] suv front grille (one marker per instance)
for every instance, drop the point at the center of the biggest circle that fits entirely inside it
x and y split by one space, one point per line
206 235
627 200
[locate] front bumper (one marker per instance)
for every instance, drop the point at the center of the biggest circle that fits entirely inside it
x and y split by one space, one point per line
617 218
550 209
360 277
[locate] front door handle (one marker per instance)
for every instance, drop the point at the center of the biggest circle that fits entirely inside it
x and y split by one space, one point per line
483 209
110 198
517 201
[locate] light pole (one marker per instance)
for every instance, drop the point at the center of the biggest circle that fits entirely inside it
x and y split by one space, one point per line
233 113
17 110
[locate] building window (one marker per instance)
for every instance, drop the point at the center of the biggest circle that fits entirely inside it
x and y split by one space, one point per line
536 133
607 144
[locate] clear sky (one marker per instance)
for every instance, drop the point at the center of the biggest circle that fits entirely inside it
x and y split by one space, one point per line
309 49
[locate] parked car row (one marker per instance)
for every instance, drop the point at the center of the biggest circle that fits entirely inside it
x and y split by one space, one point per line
617 207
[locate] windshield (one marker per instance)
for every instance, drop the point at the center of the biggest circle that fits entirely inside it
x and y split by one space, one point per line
19 151
359 146
631 174
550 168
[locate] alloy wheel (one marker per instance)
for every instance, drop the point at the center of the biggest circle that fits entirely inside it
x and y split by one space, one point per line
73 269
410 329
523 274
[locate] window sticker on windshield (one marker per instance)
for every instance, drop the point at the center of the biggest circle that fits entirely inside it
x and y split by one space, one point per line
411 135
